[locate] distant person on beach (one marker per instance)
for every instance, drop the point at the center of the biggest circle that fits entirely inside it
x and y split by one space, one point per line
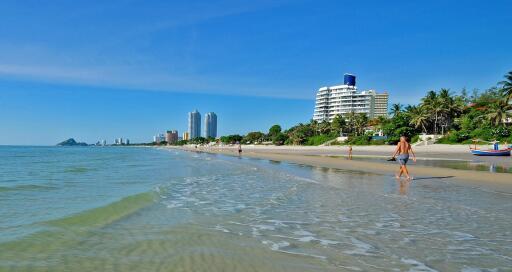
239 149
402 150
350 152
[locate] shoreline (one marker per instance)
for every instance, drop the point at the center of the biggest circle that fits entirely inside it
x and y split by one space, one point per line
319 157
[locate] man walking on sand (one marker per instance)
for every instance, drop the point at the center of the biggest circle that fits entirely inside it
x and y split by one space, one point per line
402 150
239 148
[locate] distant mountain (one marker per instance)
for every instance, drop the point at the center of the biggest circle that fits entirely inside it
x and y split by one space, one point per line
71 142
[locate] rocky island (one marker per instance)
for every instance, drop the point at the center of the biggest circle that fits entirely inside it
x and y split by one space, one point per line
71 142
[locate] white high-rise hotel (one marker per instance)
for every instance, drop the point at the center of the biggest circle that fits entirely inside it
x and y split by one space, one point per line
194 124
210 125
343 99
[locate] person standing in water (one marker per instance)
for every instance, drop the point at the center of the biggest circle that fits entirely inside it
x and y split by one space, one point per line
402 150
350 152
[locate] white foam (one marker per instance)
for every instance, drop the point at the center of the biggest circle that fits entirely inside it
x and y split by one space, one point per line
461 236
284 222
174 204
275 246
221 228
303 233
305 179
307 239
326 242
417 266
303 254
362 248
474 269
264 227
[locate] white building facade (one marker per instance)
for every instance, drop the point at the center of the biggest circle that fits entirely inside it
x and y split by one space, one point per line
194 124
343 99
210 125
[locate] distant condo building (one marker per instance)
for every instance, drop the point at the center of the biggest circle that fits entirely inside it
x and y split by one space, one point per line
194 124
343 99
158 138
171 137
381 104
186 136
210 125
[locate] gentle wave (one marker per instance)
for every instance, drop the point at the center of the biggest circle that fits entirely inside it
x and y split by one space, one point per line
105 215
77 170
66 233
27 187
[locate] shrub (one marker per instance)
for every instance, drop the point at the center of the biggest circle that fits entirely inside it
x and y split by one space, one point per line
453 137
280 139
319 139
360 140
415 138
500 132
378 142
482 133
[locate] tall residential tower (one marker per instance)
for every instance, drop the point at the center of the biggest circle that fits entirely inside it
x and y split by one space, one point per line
210 125
194 124
343 99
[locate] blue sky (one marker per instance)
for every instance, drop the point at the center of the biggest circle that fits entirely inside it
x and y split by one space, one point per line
104 69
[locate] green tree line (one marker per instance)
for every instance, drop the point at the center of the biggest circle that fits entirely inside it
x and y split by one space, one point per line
459 117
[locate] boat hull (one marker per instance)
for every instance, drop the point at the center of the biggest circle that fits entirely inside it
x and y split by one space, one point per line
491 152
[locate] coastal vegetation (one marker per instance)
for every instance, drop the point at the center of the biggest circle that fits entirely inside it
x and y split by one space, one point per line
458 117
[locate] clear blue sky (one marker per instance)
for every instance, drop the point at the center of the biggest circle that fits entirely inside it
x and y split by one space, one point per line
104 69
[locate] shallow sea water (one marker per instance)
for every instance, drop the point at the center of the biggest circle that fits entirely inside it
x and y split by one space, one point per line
142 209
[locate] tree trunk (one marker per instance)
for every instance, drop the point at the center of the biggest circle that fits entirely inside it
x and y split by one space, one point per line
435 124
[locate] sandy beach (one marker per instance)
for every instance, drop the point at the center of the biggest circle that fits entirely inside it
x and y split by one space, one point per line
373 159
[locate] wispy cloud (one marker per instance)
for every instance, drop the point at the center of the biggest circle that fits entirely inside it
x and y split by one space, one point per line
130 79
114 56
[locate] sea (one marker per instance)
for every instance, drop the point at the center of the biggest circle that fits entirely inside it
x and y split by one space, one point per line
161 209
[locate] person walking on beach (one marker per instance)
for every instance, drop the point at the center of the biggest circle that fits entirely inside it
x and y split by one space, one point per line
350 152
402 150
239 149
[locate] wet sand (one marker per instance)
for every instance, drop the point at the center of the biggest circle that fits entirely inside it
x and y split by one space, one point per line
322 157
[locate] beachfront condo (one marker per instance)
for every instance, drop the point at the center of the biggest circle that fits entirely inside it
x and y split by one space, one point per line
171 137
210 125
343 99
158 138
186 136
194 124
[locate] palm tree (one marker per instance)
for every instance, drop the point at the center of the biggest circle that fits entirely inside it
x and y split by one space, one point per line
434 105
450 108
498 112
360 122
419 117
396 109
314 126
409 107
351 116
324 127
338 123
506 86
431 96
